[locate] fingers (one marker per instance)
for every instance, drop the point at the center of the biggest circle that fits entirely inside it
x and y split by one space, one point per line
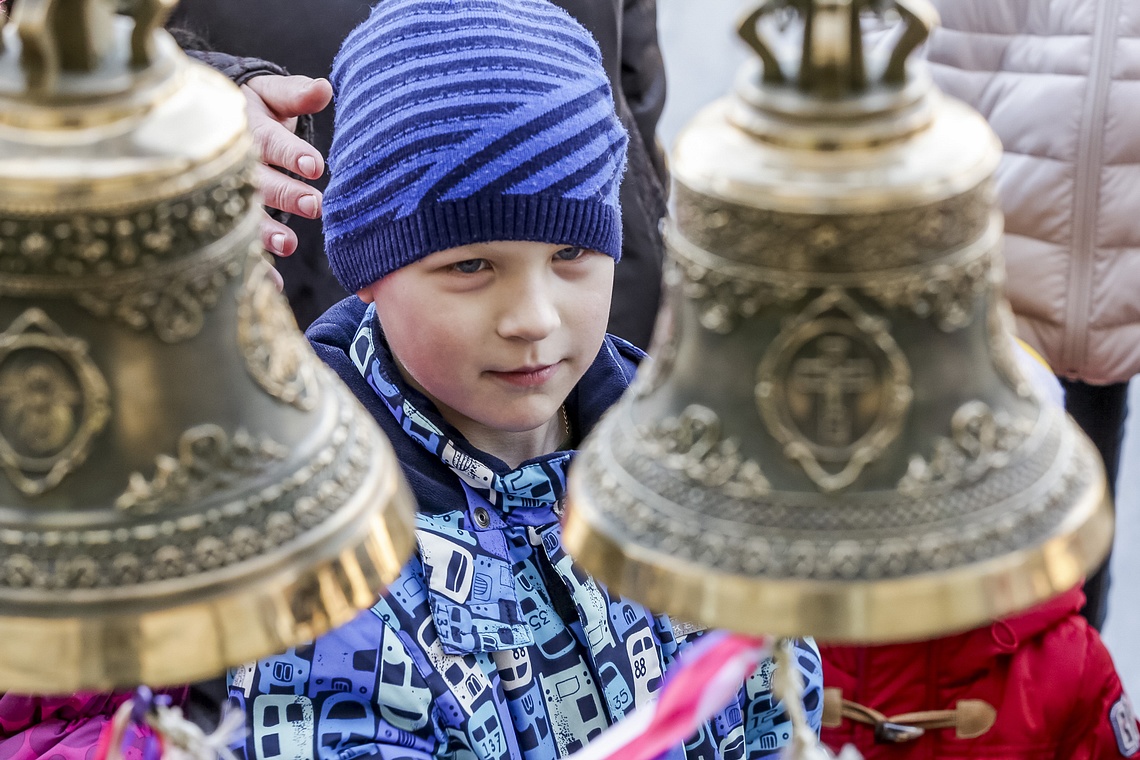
277 238
273 104
287 194
277 146
278 280
292 96
273 132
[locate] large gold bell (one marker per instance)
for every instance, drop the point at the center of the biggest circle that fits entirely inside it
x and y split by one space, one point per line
834 437
183 486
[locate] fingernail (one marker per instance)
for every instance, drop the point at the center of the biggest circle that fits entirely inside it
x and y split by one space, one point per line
308 205
277 242
308 167
277 279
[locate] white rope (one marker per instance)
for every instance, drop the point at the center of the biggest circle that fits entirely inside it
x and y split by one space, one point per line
788 686
181 739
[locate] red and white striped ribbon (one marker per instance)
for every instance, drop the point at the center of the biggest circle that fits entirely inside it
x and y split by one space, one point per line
705 679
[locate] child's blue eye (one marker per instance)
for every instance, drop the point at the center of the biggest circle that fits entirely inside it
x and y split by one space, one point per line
470 266
570 253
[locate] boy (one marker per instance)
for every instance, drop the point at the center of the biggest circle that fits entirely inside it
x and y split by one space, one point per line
473 208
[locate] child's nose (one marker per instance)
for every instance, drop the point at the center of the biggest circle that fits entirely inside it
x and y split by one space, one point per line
530 314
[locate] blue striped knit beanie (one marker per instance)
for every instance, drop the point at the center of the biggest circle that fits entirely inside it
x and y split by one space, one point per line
469 121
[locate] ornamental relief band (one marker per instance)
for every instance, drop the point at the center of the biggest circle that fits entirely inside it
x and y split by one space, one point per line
693 444
276 355
656 505
160 267
208 462
792 511
167 542
53 402
945 291
93 245
829 243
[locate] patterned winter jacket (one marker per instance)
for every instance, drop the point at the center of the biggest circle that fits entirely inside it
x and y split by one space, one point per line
491 644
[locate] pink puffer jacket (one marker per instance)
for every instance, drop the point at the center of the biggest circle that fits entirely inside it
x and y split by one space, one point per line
1059 81
66 727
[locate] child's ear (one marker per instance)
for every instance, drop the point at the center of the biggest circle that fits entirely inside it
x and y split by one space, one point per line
365 294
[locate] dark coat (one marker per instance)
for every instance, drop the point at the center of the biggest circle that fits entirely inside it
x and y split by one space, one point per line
305 39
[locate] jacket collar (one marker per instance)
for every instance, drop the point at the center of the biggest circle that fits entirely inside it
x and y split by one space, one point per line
538 483
974 651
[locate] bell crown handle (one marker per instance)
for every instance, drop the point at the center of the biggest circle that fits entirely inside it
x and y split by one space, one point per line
149 15
920 17
76 35
833 63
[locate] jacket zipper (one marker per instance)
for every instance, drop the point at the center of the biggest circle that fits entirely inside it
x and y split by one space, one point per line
1074 355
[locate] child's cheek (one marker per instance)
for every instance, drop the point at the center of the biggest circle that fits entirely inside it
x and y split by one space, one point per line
441 365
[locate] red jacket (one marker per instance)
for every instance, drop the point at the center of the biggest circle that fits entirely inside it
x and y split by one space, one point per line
1046 673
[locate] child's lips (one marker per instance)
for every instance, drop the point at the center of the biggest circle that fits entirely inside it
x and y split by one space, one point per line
527 377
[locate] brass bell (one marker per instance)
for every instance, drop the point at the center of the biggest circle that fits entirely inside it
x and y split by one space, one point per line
183 485
834 437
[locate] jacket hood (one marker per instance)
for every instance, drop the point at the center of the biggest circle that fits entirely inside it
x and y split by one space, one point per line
1006 635
974 651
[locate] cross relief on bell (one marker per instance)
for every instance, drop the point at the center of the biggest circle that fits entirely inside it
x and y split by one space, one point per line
833 387
827 380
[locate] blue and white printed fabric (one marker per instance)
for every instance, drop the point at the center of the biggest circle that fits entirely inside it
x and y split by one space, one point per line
492 643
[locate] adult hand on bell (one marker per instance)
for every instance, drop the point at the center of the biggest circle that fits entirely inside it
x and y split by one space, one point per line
273 104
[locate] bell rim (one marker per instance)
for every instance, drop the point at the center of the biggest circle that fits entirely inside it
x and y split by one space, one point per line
926 605
271 609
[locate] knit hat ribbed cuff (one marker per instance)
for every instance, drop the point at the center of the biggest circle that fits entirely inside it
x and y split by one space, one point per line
368 253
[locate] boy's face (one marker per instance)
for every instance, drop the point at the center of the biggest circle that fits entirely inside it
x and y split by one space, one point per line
496 334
